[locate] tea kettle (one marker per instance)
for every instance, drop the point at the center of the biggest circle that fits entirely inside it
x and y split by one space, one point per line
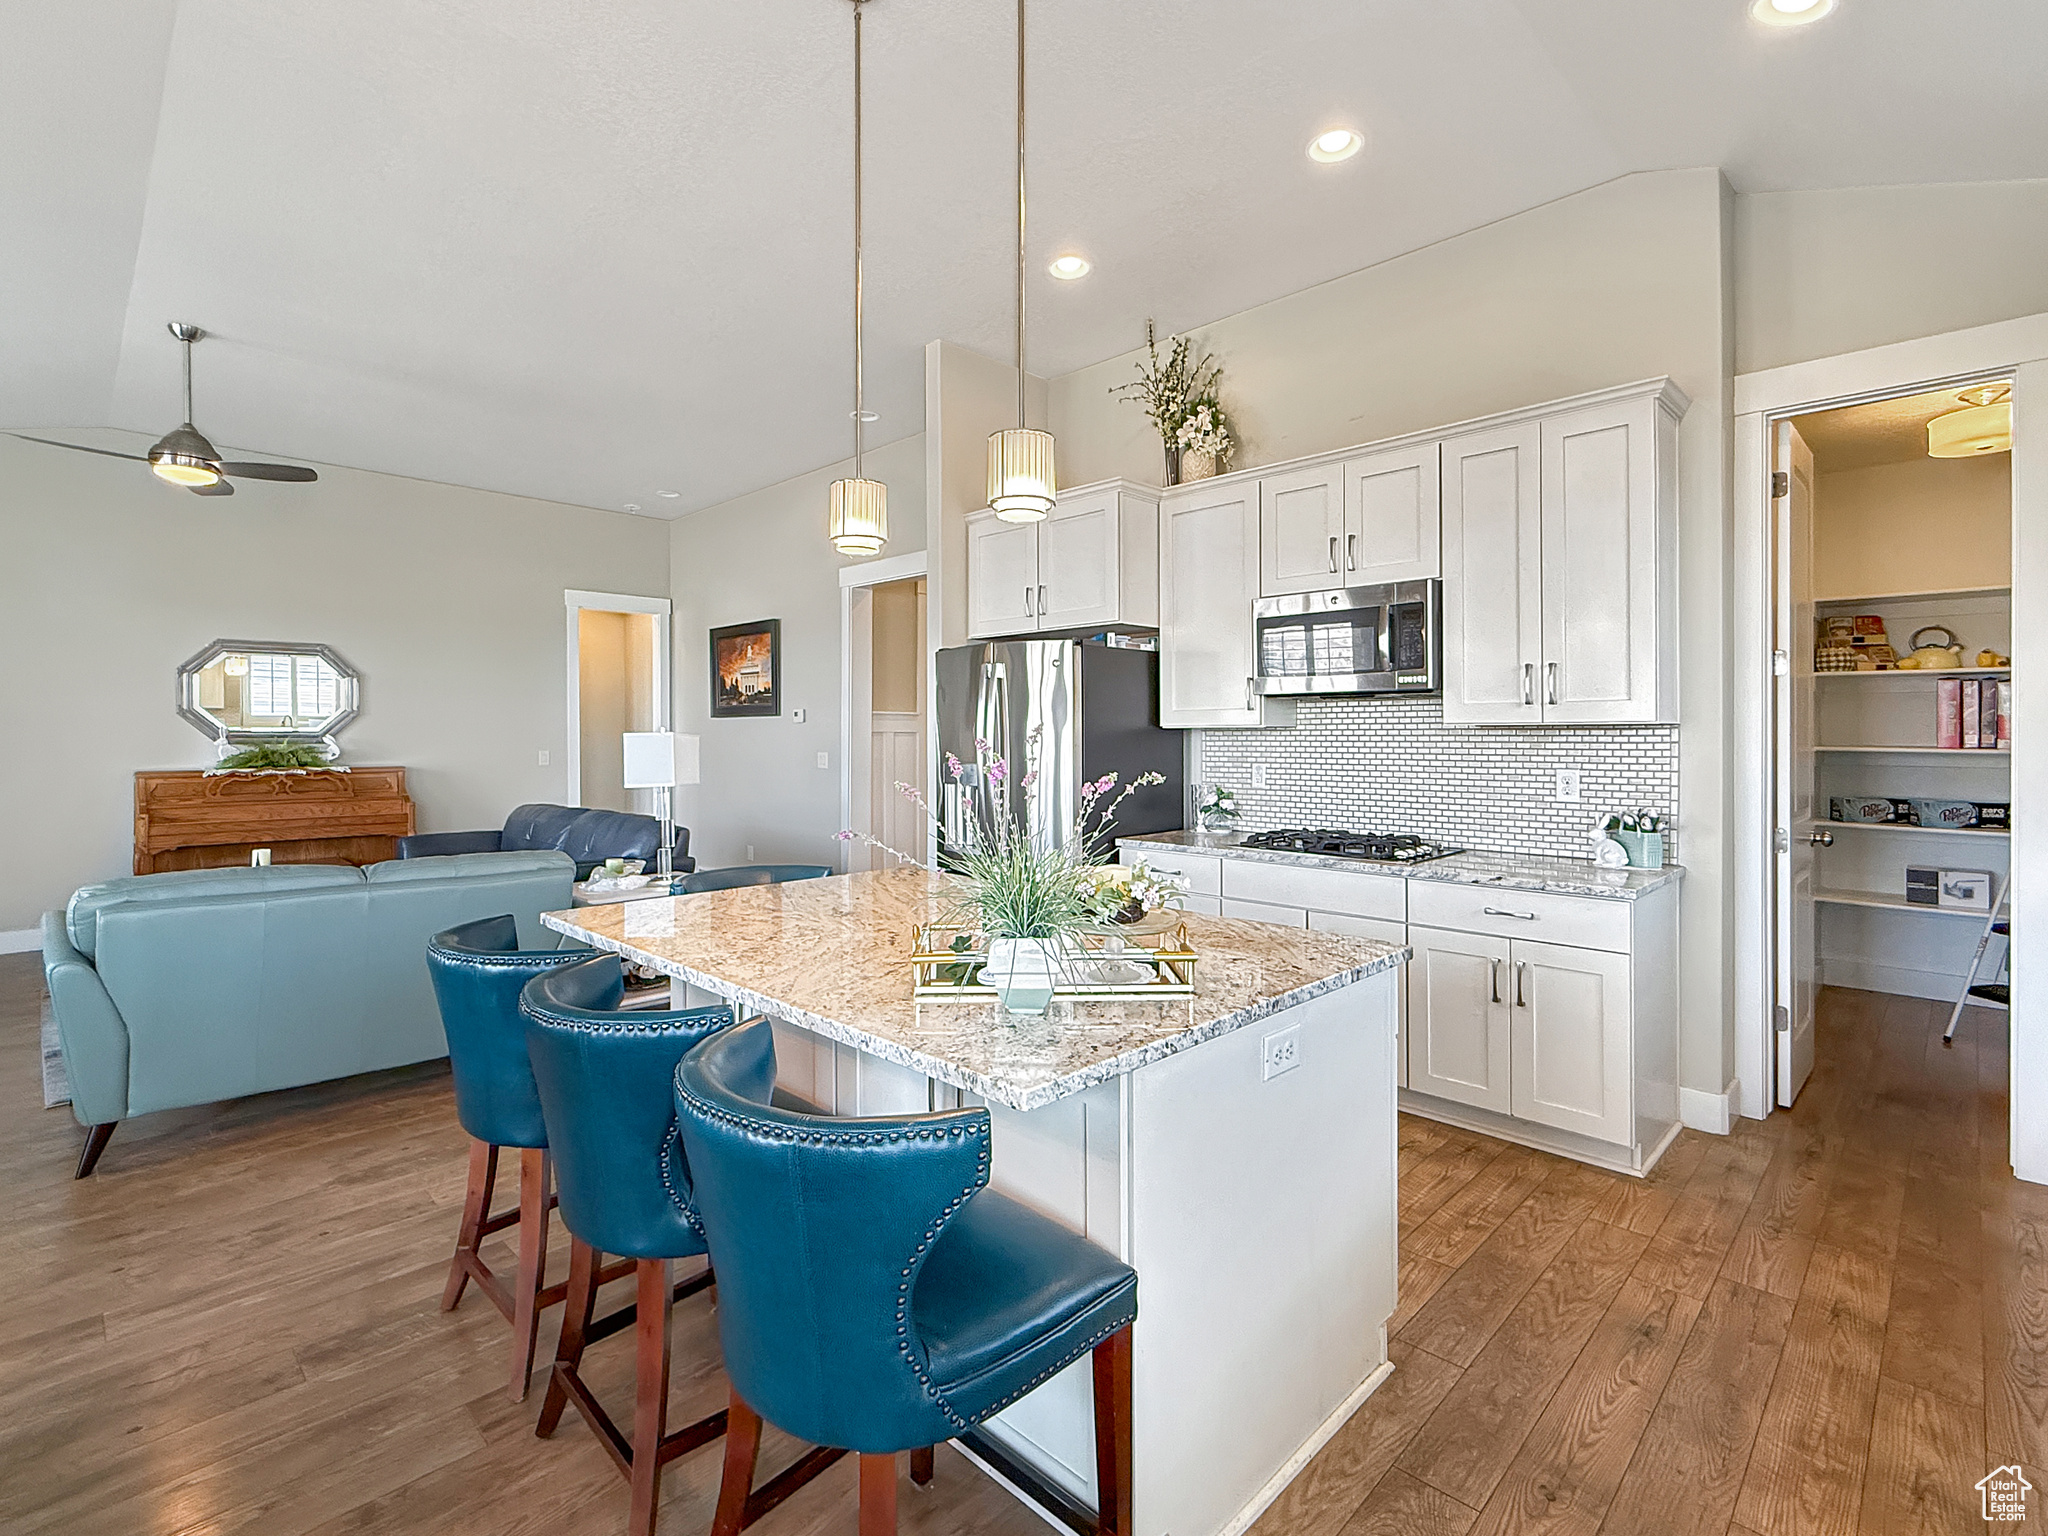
1928 656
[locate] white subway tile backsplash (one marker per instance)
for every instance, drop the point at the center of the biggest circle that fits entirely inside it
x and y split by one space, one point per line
1393 765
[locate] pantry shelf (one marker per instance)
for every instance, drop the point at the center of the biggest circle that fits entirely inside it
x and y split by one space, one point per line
1900 826
1914 672
1954 594
2003 753
1888 902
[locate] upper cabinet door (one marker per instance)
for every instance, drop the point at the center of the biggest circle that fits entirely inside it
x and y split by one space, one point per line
1002 577
1208 581
1078 572
1492 567
1301 531
1604 559
1393 517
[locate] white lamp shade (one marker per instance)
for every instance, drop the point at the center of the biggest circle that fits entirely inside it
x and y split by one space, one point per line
1020 474
860 516
651 760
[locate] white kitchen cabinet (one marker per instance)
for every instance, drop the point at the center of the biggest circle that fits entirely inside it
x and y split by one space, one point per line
1560 565
1265 912
1388 932
1458 1018
1392 516
1208 582
1301 531
1093 561
1569 1040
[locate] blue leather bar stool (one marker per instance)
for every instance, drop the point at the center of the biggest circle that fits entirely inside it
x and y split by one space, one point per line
606 1081
737 875
478 970
875 1295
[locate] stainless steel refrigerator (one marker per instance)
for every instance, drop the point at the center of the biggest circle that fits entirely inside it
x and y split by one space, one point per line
1071 710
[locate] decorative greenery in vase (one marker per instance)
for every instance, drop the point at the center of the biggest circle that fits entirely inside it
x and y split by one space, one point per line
276 755
1179 396
1218 809
1027 901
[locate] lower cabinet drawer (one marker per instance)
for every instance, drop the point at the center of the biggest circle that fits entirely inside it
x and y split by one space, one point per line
1321 890
1204 872
1202 906
1266 912
1587 922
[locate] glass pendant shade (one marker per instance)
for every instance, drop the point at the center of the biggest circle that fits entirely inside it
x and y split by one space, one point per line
1966 433
1020 478
860 516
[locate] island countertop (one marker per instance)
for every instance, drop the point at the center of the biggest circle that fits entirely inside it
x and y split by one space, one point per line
832 956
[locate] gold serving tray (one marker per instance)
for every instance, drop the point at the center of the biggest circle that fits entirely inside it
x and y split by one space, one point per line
942 973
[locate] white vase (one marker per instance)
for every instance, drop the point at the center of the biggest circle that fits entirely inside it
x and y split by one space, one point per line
1023 972
1196 465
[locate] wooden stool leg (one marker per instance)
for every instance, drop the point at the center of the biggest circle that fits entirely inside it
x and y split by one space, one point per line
877 1496
1112 1435
476 1205
534 1172
650 1399
584 1262
921 1465
742 1447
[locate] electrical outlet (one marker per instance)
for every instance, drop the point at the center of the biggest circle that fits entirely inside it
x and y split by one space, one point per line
1571 784
1280 1052
824 759
1258 775
543 759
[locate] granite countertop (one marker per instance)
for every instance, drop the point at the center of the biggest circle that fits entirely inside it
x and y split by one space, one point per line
832 956
1509 871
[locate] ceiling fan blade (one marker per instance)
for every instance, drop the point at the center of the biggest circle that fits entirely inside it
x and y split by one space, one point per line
79 447
268 471
218 488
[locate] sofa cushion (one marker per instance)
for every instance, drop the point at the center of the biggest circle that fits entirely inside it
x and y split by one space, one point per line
81 914
465 866
538 826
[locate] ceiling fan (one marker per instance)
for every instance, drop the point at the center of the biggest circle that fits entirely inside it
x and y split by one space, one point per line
184 457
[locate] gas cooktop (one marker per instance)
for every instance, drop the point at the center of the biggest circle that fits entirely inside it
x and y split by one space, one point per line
1371 847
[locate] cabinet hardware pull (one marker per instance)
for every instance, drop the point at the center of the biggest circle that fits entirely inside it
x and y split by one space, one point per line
1333 552
1350 551
1521 975
1550 667
1027 602
1494 966
1528 682
1041 601
1527 917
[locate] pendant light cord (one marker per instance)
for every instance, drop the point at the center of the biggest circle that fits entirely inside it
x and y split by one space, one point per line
859 284
1020 213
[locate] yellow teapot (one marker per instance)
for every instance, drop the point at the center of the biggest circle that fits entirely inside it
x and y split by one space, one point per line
1926 656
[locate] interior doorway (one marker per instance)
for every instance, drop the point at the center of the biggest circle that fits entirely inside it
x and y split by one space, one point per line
885 717
1891 574
618 671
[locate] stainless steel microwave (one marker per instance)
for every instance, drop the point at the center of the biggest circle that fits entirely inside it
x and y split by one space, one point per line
1383 639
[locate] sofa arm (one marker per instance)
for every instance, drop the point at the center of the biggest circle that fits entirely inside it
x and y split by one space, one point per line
89 1026
434 845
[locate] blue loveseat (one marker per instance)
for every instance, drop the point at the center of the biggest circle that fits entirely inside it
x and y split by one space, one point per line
188 988
587 836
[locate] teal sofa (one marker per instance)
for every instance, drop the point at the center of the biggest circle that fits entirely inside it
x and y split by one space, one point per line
188 988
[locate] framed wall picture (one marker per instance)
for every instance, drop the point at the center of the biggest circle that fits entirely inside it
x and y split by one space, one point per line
746 669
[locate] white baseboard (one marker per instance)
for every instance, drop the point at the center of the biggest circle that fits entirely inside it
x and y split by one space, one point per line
1899 980
19 941
1705 1111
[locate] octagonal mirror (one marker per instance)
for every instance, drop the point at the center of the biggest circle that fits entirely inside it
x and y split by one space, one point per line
267 690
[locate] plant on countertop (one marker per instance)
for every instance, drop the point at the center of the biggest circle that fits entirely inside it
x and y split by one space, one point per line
1218 809
277 754
1179 396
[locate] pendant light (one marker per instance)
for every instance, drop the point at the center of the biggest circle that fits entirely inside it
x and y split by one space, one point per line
1984 425
859 522
1020 469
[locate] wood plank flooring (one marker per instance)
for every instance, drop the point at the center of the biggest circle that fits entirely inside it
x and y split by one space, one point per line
1832 1321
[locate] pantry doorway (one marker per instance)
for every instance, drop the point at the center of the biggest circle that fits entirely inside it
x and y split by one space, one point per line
1882 582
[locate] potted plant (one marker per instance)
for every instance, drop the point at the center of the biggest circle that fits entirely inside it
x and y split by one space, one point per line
1217 809
1179 396
1642 834
1028 902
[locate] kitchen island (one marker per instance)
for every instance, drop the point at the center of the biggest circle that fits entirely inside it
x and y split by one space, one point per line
1236 1147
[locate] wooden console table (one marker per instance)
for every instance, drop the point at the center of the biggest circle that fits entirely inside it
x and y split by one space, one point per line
190 820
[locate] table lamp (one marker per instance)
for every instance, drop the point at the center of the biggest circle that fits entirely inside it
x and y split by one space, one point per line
660 760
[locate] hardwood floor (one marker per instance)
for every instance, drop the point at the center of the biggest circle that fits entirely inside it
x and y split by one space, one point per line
1832 1321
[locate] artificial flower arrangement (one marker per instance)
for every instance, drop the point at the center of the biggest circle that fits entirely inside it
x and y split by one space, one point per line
1029 902
1218 808
1180 397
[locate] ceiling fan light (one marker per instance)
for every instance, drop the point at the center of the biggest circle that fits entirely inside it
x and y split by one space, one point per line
1973 430
1020 474
859 523
184 469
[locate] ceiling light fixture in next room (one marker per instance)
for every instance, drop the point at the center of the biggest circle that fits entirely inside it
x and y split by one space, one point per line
1790 13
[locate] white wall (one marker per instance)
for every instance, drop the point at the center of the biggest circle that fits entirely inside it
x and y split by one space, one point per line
1625 281
448 601
765 556
1822 273
1924 525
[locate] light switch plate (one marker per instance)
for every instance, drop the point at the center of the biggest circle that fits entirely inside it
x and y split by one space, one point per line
543 759
824 759
797 715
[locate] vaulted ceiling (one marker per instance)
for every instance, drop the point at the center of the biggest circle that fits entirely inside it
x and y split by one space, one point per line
591 252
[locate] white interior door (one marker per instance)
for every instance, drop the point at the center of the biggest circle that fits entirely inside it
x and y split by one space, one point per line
1793 758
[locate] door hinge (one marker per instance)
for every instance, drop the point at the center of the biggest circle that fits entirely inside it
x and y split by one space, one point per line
1784 1020
1782 840
1781 484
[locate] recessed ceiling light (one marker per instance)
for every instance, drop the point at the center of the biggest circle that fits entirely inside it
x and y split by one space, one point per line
1790 13
668 495
1068 267
1338 144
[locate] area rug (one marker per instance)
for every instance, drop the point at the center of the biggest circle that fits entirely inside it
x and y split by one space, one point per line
56 1087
